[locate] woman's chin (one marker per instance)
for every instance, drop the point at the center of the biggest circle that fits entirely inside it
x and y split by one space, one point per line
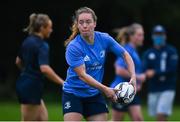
85 34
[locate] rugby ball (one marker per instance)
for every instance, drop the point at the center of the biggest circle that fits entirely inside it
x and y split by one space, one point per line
126 93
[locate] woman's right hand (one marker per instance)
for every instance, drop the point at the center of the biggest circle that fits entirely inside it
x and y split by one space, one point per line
110 93
150 73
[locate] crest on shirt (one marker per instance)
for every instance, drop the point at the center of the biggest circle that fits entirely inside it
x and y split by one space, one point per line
152 56
102 53
86 58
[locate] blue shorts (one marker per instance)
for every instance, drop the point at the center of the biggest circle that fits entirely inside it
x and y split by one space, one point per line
124 108
86 106
29 91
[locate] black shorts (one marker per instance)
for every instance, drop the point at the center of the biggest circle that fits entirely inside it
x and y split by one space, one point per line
86 106
124 108
29 91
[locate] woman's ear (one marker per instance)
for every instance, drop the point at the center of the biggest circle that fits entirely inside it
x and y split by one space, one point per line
94 24
41 29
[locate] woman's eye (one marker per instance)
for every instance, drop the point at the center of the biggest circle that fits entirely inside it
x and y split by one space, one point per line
88 22
81 22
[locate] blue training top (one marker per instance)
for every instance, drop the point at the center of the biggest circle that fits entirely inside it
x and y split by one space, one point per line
121 63
79 52
164 61
33 53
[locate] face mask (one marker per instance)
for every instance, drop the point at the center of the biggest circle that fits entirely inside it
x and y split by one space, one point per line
158 40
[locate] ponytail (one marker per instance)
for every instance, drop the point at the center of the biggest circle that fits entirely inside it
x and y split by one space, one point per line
74 27
123 36
75 31
36 21
32 19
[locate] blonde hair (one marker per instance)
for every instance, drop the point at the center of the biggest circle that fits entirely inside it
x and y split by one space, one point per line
36 21
124 33
74 27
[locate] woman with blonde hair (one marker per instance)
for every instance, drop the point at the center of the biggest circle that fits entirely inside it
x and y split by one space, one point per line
131 37
85 54
33 61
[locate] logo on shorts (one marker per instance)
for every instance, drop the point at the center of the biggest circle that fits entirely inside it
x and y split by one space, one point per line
67 105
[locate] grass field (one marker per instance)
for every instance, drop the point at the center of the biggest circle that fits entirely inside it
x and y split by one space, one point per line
11 111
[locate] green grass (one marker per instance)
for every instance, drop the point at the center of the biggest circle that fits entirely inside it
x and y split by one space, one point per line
11 111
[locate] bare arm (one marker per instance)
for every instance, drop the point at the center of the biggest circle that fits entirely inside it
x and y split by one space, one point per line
130 67
87 78
18 63
110 93
50 74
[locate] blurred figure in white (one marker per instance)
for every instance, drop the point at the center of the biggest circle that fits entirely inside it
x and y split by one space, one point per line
160 63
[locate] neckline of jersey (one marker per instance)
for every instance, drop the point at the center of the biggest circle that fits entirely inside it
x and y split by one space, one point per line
90 45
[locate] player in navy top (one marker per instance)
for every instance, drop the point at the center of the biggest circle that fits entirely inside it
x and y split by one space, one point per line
160 63
131 37
33 61
85 54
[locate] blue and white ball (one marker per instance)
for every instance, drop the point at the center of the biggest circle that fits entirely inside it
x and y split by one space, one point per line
126 93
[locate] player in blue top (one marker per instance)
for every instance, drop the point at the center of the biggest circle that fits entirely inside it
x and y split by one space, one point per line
85 54
131 37
33 61
160 64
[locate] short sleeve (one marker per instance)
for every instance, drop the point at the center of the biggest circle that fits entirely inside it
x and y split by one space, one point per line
113 46
43 55
74 56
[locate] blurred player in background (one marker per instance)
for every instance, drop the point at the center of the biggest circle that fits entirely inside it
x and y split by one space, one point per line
131 37
33 61
85 54
160 63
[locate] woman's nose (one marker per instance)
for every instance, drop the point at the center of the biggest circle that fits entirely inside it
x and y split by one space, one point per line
84 25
